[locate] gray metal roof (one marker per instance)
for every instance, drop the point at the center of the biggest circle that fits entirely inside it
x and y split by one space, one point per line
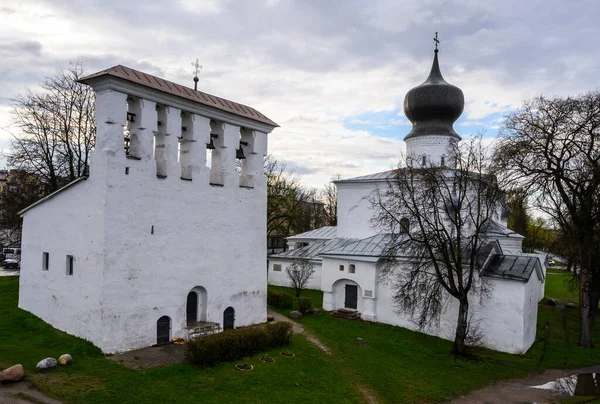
148 80
382 176
514 267
368 247
326 233
314 250
496 228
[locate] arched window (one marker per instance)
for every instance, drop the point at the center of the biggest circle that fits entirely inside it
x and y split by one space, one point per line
404 225
351 268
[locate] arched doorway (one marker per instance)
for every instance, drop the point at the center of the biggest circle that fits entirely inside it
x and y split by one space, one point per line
163 330
191 308
229 318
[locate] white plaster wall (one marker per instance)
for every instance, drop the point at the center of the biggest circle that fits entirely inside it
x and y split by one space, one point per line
142 243
507 318
354 210
531 299
433 147
70 223
203 236
280 278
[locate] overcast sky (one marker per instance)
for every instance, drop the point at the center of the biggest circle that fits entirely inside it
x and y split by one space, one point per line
332 73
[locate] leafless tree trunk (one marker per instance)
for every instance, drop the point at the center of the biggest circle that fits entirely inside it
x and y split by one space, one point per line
551 148
436 218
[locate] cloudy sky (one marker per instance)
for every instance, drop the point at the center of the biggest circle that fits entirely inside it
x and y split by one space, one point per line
332 73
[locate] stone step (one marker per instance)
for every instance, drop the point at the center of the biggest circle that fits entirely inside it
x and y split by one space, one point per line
348 314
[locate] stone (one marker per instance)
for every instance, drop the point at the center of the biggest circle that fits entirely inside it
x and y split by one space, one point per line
296 314
65 359
270 318
359 338
47 363
570 305
551 302
316 312
12 374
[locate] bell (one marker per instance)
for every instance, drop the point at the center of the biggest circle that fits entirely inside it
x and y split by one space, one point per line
211 145
239 153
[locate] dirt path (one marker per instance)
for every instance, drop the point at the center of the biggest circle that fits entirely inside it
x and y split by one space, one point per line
23 393
520 390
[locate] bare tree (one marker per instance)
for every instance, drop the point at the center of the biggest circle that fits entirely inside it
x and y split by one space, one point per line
291 207
55 128
436 218
300 273
329 196
551 148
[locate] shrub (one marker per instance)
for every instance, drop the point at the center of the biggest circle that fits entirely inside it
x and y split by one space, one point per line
280 333
236 344
303 304
280 299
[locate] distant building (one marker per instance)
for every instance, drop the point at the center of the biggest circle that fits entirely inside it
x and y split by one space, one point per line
153 244
345 256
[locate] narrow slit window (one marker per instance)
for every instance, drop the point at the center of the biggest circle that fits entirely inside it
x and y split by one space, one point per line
443 161
69 265
45 261
424 160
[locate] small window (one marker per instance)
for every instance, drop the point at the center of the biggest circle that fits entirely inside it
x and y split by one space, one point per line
341 267
69 265
351 268
45 261
277 267
404 225
424 162
443 161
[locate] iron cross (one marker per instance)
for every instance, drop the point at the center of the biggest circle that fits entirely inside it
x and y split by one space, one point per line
197 67
436 40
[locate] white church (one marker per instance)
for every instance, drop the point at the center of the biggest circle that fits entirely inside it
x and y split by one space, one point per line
154 244
345 256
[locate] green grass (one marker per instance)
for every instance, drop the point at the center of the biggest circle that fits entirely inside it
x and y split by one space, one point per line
311 376
404 366
557 287
395 364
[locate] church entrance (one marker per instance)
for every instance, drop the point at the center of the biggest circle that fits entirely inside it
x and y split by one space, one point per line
351 301
191 308
163 330
228 318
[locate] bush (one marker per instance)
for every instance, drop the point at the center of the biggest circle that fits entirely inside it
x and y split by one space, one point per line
280 299
236 344
303 304
280 333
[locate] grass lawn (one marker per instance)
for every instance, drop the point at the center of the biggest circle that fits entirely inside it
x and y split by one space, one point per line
557 287
311 376
404 366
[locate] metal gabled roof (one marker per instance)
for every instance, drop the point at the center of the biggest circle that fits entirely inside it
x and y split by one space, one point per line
512 267
368 247
314 250
326 232
381 176
148 80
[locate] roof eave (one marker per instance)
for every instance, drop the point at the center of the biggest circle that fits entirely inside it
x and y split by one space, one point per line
105 80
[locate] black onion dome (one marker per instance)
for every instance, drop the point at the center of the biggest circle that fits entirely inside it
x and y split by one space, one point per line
433 106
